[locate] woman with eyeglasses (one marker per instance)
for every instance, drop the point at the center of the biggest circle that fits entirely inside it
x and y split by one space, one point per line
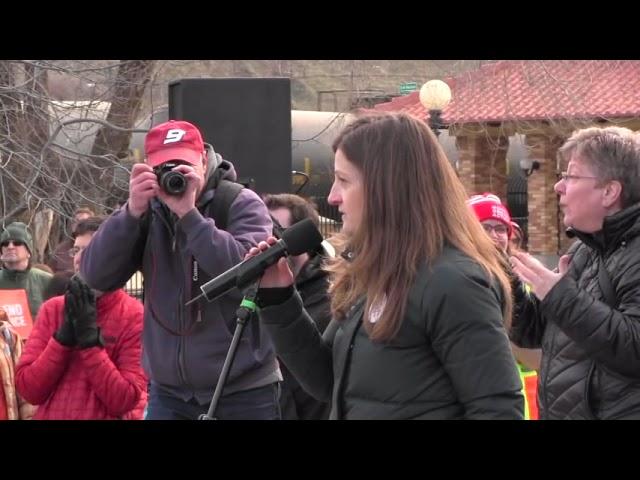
589 327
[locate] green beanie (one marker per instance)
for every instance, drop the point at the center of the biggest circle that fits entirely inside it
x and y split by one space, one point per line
17 231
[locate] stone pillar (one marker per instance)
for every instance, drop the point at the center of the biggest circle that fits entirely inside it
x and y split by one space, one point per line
543 201
483 164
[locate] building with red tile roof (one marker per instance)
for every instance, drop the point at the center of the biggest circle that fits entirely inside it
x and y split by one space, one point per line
537 90
542 101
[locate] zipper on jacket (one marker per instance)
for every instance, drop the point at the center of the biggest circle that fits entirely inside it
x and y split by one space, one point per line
184 314
182 373
587 392
182 376
543 381
180 328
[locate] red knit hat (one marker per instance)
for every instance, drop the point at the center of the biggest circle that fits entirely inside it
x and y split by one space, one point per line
489 207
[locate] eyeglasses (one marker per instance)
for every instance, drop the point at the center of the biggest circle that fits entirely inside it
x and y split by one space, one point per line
566 177
500 229
74 251
15 243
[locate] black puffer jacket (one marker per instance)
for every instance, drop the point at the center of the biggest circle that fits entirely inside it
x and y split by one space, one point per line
591 350
450 359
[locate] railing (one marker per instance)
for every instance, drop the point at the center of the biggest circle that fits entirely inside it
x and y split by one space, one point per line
135 286
329 217
518 204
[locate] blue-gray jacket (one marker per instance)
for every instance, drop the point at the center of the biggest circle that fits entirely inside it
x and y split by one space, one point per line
184 347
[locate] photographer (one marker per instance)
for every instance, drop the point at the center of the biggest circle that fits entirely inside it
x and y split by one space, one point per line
168 230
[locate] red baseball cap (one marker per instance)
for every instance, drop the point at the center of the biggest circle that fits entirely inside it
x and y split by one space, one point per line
173 140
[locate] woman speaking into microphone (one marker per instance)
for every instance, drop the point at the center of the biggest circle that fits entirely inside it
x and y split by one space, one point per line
419 296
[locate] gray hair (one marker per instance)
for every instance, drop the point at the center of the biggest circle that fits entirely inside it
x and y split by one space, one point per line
613 152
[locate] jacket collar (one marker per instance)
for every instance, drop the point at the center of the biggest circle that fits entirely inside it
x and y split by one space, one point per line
616 229
16 275
224 171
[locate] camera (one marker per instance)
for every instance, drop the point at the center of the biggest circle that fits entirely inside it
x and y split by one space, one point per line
174 183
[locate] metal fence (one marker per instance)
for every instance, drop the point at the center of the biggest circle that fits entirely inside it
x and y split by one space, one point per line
135 286
518 204
330 223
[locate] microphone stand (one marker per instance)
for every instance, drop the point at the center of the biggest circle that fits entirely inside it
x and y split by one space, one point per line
243 314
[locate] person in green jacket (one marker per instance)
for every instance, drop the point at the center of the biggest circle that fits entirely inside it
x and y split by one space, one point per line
17 246
419 294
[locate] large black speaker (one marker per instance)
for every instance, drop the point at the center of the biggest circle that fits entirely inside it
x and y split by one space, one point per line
248 122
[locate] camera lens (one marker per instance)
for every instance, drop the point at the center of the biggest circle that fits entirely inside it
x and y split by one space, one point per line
173 183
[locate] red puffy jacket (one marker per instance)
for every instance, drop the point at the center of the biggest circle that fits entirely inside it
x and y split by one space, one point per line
90 384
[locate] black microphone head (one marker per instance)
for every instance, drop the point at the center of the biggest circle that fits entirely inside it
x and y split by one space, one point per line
302 237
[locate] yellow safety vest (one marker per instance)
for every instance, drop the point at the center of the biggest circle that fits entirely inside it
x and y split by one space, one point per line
529 380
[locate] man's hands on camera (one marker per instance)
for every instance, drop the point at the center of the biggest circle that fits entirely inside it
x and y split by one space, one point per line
183 204
143 186
79 327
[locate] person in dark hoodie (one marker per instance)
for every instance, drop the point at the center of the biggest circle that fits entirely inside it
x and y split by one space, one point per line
312 284
175 242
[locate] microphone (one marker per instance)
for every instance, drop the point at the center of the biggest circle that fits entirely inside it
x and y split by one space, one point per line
296 240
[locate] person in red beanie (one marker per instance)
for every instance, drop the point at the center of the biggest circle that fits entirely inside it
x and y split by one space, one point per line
496 221
494 217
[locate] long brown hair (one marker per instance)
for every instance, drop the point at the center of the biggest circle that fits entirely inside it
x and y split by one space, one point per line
413 204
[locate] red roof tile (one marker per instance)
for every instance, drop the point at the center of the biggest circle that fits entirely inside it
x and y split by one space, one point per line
537 90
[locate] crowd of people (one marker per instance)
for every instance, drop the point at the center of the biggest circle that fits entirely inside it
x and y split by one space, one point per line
424 306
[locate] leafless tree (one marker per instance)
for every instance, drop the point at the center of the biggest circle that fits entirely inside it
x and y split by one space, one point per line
65 128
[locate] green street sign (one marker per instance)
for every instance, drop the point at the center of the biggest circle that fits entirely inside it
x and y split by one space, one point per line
408 87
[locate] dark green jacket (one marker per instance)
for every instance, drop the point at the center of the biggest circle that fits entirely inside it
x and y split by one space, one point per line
312 284
450 360
32 280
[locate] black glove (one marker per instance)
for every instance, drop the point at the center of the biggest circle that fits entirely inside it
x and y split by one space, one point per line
66 335
81 304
